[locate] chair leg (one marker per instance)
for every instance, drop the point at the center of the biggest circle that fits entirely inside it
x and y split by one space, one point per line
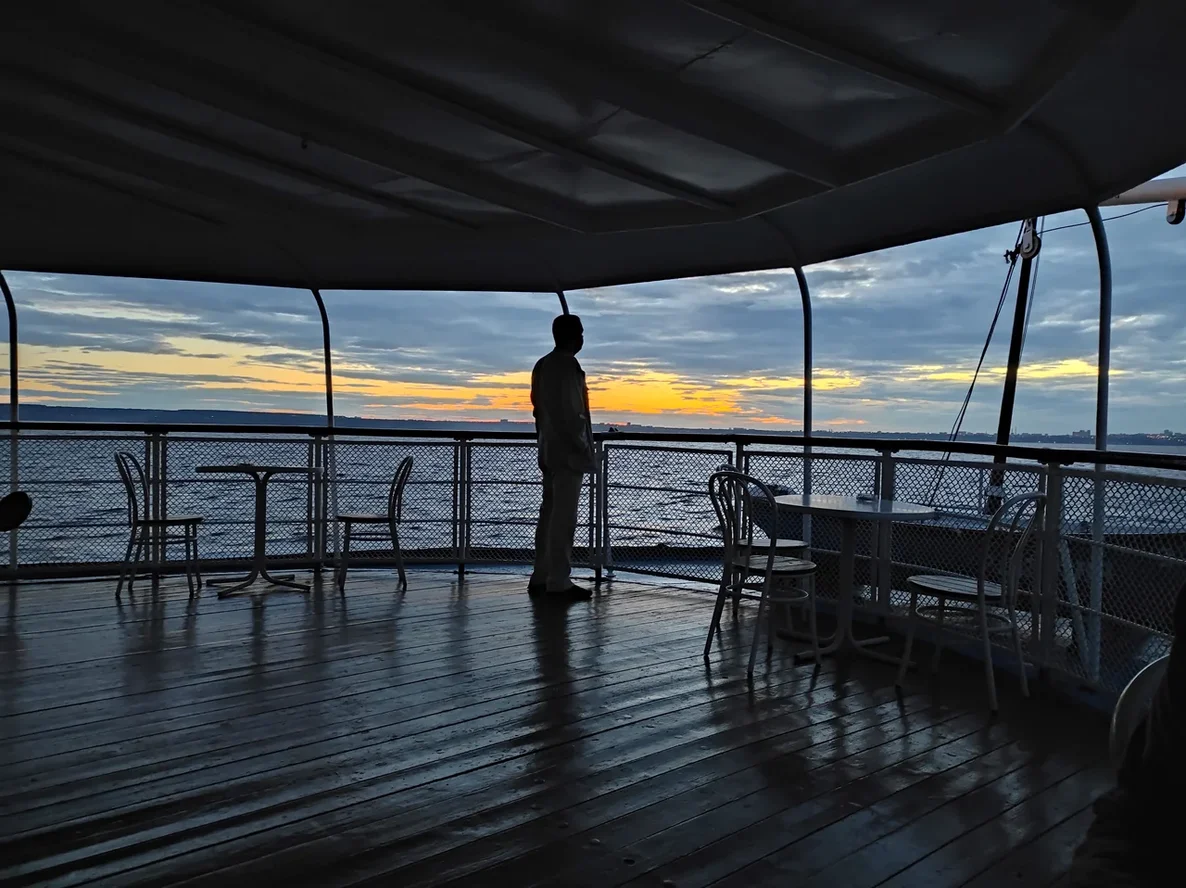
716 616
911 626
399 559
187 562
736 583
1025 684
811 617
190 538
992 681
344 559
123 568
197 561
140 546
753 648
938 635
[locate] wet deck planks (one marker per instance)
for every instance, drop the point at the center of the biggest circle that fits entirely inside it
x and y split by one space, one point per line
466 735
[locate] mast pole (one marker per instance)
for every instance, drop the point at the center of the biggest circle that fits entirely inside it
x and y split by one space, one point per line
1030 244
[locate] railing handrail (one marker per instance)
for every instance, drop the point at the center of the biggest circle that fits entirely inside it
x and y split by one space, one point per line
1046 455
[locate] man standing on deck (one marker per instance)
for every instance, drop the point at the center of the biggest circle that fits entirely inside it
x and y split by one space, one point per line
560 403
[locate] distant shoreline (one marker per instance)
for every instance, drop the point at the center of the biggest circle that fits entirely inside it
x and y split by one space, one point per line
50 413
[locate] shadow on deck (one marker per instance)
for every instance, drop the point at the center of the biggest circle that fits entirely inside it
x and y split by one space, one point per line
464 734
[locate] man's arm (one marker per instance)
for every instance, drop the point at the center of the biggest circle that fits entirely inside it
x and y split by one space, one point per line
562 396
577 407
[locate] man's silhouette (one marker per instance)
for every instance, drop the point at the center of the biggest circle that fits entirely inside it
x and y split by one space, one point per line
560 402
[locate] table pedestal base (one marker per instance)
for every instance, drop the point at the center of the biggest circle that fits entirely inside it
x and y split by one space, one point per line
259 557
238 585
842 641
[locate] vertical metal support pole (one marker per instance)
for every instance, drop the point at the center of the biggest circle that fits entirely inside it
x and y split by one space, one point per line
331 468
164 492
14 403
310 496
594 551
320 497
563 302
457 500
1052 536
884 534
596 513
152 462
1099 484
805 298
606 545
466 503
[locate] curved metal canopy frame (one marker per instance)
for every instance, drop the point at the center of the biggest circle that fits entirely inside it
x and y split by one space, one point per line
1102 384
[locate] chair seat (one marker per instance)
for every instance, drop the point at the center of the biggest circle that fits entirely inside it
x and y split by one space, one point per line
761 544
960 588
363 518
782 564
173 521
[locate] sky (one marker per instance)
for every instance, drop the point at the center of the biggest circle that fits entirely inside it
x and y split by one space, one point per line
897 337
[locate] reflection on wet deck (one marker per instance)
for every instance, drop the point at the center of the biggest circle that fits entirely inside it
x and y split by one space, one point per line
465 734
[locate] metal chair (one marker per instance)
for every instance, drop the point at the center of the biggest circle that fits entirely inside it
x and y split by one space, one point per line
390 519
733 495
976 604
145 530
793 548
1133 706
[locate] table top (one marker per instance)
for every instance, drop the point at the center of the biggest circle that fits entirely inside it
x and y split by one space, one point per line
253 469
851 507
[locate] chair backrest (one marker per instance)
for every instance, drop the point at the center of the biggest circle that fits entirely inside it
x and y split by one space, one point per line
1133 706
1005 542
14 509
734 496
135 486
395 494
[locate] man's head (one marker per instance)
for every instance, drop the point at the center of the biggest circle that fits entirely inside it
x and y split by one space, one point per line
568 333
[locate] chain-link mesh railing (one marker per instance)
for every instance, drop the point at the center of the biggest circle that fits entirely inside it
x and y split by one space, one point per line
1119 560
80 509
658 516
226 501
1123 558
431 525
834 474
964 497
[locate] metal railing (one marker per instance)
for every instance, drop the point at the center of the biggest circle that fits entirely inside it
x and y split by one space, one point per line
1101 585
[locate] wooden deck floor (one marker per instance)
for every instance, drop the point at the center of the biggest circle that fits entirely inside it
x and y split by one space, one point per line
466 735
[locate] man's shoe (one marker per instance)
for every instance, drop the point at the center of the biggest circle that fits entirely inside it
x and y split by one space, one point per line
536 589
572 593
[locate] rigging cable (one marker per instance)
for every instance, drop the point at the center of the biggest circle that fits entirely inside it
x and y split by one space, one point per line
1110 218
959 420
958 424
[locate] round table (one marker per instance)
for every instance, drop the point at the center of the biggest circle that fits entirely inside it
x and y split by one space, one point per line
259 557
850 510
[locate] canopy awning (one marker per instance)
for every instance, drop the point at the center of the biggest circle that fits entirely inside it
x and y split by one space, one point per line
534 145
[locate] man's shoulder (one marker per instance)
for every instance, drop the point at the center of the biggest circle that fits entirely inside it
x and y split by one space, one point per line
557 360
